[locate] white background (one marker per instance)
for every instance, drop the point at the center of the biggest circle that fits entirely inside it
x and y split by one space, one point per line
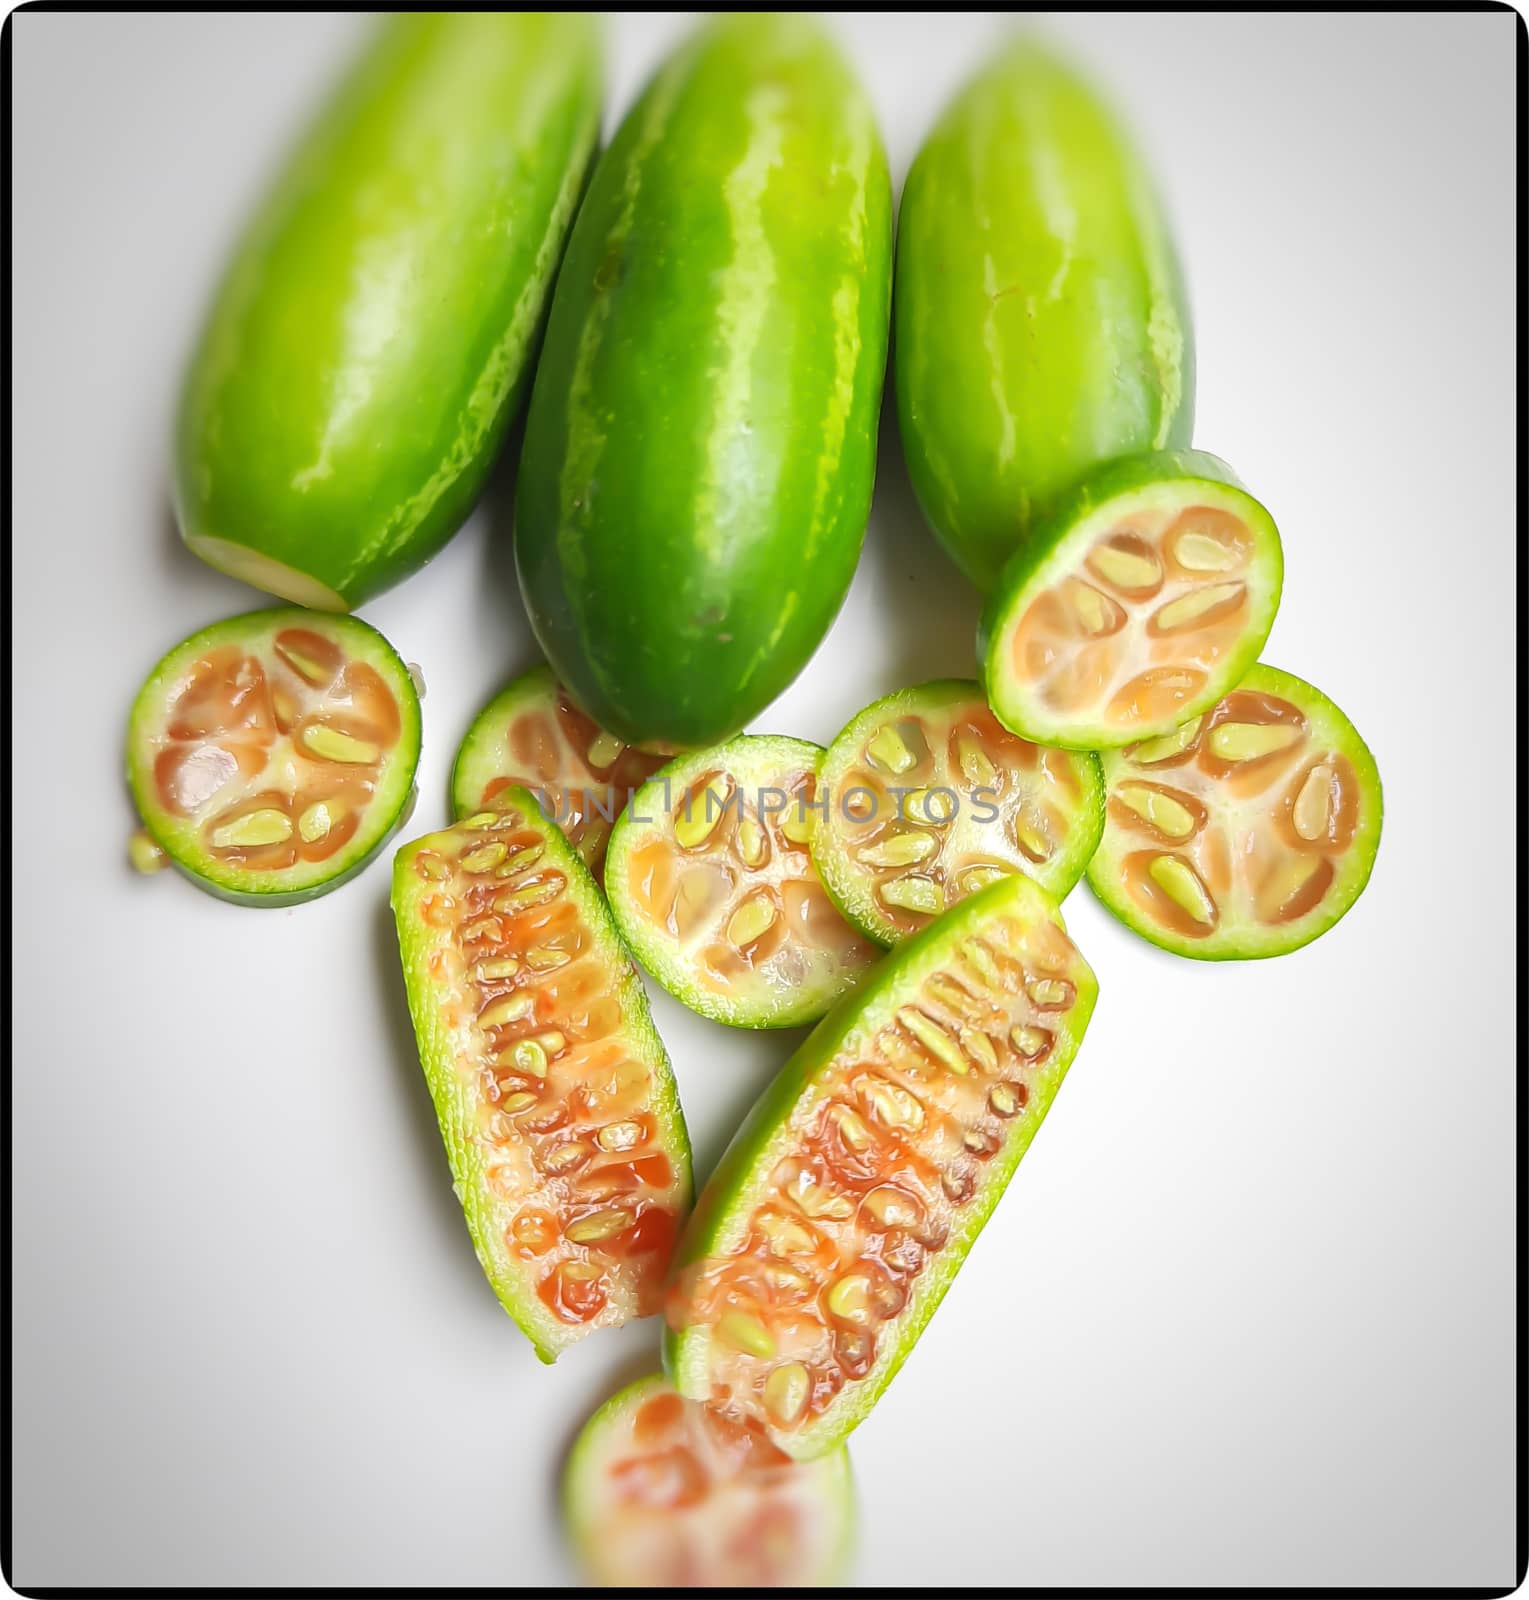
1245 1316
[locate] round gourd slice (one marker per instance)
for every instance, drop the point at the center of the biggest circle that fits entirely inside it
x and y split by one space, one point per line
712 884
532 734
929 798
272 755
849 1198
554 1094
1245 832
663 1493
1139 600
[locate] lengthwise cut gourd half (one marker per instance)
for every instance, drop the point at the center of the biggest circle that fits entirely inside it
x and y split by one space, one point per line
849 1198
554 1094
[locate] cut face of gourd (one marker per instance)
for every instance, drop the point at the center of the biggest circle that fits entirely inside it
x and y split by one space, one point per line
531 734
930 798
663 1493
1139 601
1245 832
713 886
272 755
849 1198
554 1094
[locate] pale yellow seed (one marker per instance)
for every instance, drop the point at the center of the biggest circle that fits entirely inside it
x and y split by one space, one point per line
911 893
1031 837
431 866
746 1334
1168 744
786 1236
483 928
1189 608
704 813
934 1039
603 749
785 1393
980 959
1161 810
486 819
1002 1100
304 665
1051 994
521 861
1284 883
566 1157
527 1056
850 1298
822 1204
1126 569
485 858
889 751
517 1102
752 845
977 1045
1200 552
602 1225
890 1209
852 1128
253 829
532 894
899 850
1179 881
1092 609
546 958
1029 1041
616 1136
552 1041
315 822
976 768
1313 804
145 855
796 825
330 744
512 1008
935 804
892 1105
750 920
498 970
1247 741
975 878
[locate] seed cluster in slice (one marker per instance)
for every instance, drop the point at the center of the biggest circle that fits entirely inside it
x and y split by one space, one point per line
1248 830
847 1201
531 734
273 754
930 798
664 1493
1141 600
553 1091
713 886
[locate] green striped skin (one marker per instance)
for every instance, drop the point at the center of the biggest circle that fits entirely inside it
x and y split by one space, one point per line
1041 321
371 339
1060 540
701 438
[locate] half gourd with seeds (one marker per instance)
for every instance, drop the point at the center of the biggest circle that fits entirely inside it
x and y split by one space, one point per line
568 1149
